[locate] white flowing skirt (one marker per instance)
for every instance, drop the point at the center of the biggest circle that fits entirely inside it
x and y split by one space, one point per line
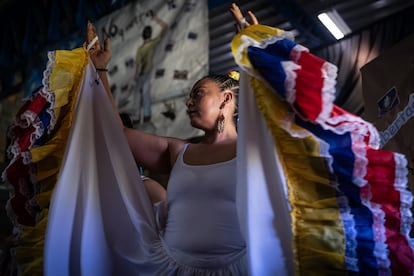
101 221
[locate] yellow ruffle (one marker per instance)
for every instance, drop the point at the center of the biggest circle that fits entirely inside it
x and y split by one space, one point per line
66 76
318 244
318 232
257 33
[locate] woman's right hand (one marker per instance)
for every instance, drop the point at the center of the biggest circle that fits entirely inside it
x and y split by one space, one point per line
240 19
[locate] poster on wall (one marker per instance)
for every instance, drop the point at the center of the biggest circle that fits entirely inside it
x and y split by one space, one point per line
388 91
159 49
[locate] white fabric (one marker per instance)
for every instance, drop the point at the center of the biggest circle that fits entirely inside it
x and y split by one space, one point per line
101 221
99 210
261 196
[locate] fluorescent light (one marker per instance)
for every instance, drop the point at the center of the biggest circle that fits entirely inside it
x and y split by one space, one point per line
334 23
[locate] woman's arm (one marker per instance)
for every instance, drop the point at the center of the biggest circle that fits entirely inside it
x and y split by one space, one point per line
100 58
155 153
163 25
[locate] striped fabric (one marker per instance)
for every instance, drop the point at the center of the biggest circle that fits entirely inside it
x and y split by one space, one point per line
38 139
348 203
350 207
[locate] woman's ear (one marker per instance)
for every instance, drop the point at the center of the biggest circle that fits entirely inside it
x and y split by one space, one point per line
228 96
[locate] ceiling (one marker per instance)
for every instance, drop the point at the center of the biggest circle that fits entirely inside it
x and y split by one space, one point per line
298 16
28 27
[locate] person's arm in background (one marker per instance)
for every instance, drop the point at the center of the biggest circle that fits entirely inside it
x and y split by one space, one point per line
159 21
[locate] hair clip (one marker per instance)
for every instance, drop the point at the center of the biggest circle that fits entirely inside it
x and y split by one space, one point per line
234 75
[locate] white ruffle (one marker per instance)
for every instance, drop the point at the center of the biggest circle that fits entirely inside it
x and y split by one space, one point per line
48 94
360 160
290 81
348 221
329 74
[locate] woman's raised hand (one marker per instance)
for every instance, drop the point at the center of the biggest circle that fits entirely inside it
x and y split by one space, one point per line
240 19
99 56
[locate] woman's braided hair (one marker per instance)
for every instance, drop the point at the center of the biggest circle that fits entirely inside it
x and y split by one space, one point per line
230 82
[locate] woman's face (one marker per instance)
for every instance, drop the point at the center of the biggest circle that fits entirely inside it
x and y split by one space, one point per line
203 104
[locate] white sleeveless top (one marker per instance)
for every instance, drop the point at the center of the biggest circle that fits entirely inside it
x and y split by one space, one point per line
202 216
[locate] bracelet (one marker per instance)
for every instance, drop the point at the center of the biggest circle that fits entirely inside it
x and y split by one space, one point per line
243 23
101 69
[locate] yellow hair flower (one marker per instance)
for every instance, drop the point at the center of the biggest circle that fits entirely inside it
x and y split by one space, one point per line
234 75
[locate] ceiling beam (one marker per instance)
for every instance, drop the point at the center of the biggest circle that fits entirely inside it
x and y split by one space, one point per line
308 25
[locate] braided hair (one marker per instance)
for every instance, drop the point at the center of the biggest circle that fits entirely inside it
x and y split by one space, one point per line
230 82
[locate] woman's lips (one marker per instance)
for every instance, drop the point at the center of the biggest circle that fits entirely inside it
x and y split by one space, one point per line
191 112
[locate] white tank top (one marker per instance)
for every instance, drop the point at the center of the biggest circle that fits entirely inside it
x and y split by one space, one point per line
202 215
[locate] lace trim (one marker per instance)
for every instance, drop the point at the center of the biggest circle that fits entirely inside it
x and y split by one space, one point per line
26 118
361 161
351 259
378 215
286 124
290 68
29 119
273 39
246 41
381 249
26 157
296 52
329 73
350 123
49 95
406 197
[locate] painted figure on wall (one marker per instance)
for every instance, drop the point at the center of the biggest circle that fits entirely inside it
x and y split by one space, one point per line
143 66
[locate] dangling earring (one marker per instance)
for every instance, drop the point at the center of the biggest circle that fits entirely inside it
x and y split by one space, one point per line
220 122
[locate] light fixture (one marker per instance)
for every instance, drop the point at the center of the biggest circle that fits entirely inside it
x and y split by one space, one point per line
334 23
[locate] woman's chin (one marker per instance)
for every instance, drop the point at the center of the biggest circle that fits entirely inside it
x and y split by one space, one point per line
193 124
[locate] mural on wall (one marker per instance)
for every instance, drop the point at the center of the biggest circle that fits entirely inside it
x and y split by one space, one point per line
159 49
154 97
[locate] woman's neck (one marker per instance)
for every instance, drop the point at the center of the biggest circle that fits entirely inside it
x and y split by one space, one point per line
228 136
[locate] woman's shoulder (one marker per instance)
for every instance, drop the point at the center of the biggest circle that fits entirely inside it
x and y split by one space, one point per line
175 146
